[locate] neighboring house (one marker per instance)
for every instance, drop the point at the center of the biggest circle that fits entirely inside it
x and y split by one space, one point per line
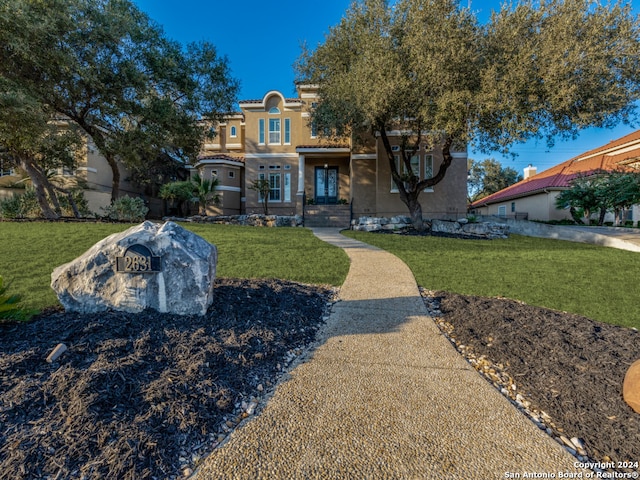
534 198
326 181
93 173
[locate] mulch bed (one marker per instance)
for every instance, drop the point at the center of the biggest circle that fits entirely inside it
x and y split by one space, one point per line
566 365
143 396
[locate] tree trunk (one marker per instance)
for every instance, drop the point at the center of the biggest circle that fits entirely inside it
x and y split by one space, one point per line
415 210
410 191
39 181
575 216
115 177
603 212
72 202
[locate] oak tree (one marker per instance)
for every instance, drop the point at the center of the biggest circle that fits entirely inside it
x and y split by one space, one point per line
111 71
430 69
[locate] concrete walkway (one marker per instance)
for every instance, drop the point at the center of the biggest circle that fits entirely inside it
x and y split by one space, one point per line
384 395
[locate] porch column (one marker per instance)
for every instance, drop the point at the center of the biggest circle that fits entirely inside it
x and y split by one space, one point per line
300 174
300 192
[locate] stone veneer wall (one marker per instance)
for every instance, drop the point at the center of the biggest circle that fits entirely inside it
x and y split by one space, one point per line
253 220
460 227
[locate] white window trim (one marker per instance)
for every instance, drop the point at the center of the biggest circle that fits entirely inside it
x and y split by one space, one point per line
278 132
233 132
428 155
278 188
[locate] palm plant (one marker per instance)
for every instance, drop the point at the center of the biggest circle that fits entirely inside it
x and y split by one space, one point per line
205 192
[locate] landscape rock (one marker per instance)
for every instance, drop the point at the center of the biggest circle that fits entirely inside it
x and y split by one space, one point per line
631 386
159 266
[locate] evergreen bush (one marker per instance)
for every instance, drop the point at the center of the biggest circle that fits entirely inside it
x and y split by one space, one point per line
127 209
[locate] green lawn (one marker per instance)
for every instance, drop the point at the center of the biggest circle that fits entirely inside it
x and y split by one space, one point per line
30 251
597 282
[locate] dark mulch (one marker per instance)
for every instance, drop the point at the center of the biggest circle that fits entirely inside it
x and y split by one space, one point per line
135 393
568 366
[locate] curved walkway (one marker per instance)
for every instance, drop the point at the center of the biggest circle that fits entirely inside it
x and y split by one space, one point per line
384 395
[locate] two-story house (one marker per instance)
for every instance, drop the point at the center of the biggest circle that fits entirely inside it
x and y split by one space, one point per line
326 181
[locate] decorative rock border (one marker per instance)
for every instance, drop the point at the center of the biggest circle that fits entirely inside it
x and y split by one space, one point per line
373 224
253 220
462 227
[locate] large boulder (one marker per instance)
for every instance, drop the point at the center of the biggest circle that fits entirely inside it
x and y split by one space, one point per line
163 267
631 386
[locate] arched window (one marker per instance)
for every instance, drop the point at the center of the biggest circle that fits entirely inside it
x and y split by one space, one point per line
233 131
274 110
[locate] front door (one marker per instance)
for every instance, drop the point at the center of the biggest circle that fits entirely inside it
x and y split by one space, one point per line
326 185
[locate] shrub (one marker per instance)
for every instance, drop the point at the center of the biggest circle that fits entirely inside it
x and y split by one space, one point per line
10 305
80 201
127 209
20 205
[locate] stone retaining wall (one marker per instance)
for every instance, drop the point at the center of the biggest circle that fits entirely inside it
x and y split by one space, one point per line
460 227
254 220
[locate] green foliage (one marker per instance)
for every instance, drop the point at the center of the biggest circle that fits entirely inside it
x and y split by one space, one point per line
10 308
26 205
574 277
30 251
180 191
488 177
79 199
604 191
535 70
204 190
263 187
127 209
112 72
22 205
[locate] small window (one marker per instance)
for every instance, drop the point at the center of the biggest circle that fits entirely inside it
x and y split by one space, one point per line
502 211
513 207
287 131
287 167
214 173
395 148
232 174
234 132
261 167
274 111
428 170
274 167
261 131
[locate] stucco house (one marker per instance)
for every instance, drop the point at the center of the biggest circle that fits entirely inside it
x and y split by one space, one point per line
328 182
534 197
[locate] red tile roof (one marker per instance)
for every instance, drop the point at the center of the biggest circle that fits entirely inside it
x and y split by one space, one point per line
221 156
611 156
325 145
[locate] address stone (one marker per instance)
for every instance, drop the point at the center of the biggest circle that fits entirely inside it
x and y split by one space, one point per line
163 267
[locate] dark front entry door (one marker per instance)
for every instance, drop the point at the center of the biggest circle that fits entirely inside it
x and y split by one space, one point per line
326 185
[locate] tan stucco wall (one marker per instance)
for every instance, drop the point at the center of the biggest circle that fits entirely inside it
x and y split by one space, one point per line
540 206
363 187
447 200
288 165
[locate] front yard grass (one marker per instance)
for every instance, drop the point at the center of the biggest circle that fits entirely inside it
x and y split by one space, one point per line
597 282
30 251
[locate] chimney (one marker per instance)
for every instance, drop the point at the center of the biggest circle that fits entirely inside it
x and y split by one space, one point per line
530 171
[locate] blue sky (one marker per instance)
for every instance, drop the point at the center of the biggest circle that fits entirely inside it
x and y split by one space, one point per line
262 41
